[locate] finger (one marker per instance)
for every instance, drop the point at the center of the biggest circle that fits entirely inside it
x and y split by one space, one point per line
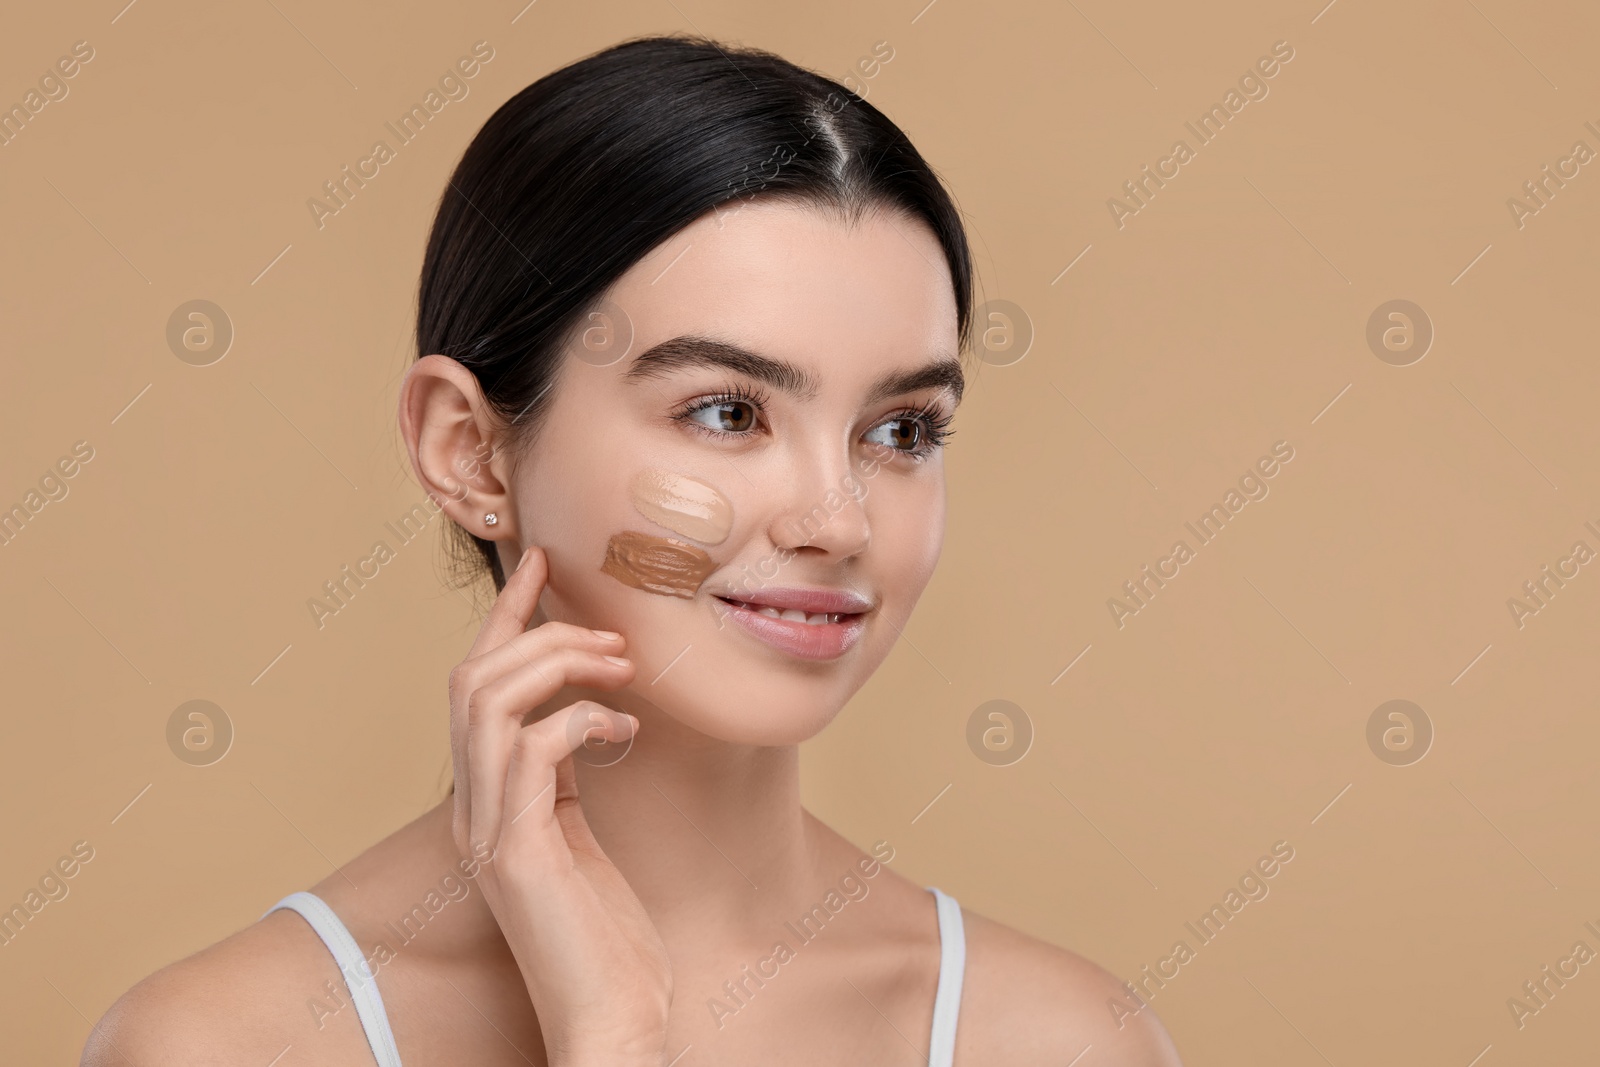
543 819
597 723
472 674
495 713
507 619
568 812
513 609
547 637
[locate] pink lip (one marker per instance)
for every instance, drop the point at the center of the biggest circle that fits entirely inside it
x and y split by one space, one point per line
820 642
810 601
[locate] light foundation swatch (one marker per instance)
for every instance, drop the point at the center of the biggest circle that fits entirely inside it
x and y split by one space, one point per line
687 506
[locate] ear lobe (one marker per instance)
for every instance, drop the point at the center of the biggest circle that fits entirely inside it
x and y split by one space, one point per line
452 437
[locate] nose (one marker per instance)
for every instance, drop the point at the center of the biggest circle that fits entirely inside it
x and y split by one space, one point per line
825 511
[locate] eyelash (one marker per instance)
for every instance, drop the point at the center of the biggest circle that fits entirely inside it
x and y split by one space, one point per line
935 421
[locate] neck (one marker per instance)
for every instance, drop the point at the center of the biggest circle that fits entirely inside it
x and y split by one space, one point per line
698 826
708 835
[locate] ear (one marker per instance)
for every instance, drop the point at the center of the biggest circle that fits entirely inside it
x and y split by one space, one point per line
457 448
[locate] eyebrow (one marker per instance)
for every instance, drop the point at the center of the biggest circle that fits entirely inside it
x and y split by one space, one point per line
677 353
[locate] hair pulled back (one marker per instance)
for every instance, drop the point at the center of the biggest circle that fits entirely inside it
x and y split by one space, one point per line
577 177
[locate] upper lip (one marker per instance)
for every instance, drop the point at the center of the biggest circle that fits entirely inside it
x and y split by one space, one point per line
810 601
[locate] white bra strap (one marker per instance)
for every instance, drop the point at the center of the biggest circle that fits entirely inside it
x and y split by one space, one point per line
364 994
952 968
358 976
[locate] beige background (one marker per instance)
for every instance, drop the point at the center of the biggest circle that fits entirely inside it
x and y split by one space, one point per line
1225 316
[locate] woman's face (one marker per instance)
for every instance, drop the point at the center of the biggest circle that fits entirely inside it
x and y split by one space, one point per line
796 457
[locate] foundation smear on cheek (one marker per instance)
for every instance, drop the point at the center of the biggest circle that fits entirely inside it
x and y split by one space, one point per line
686 506
656 564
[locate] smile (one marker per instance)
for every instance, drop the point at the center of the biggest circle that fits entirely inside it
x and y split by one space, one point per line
806 634
791 614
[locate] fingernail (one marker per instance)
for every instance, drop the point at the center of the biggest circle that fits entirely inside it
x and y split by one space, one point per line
618 660
632 720
524 558
609 635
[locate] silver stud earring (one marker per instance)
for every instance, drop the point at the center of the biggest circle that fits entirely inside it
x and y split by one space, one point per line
490 519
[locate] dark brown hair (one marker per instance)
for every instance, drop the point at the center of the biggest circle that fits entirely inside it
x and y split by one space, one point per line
580 175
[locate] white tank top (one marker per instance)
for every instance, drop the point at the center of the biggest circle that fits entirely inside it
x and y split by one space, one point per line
363 985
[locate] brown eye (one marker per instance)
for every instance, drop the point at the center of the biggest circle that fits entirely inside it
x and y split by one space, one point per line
902 434
731 416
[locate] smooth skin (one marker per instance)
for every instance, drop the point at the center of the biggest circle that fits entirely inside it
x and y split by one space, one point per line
622 897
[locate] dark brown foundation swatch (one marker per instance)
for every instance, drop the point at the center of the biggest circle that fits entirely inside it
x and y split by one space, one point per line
656 564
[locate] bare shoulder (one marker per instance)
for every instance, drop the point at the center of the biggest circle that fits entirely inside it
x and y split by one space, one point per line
1026 1001
242 1000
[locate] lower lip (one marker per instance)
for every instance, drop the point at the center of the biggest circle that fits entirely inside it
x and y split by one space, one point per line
828 640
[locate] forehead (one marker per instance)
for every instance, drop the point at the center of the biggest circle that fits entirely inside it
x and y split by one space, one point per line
797 281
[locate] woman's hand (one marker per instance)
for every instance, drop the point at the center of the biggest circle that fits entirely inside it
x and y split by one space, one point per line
596 970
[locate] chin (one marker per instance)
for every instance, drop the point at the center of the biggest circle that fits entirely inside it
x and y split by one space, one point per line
762 721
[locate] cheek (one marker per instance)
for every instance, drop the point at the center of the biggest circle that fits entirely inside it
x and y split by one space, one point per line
577 590
620 551
930 519
908 536
566 509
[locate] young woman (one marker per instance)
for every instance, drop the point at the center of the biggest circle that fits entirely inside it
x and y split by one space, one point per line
690 327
